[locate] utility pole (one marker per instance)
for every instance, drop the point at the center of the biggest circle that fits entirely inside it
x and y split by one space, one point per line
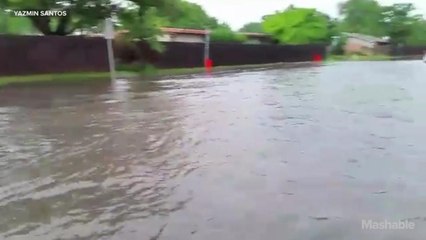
207 45
208 63
109 36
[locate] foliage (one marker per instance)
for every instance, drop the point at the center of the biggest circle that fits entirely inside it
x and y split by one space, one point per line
81 13
359 58
14 25
396 21
297 26
143 27
183 14
418 34
225 34
337 46
254 27
362 16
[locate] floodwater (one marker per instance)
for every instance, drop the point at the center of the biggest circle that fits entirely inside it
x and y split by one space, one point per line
293 153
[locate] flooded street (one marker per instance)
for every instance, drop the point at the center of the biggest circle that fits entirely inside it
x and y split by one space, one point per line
295 153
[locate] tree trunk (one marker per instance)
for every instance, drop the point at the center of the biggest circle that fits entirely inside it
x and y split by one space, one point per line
43 25
63 28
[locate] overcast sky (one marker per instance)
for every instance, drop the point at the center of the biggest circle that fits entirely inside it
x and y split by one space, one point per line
238 12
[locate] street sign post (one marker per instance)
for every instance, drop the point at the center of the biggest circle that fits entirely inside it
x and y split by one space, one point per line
109 36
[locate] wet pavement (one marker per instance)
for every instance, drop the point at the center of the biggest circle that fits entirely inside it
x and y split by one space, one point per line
300 153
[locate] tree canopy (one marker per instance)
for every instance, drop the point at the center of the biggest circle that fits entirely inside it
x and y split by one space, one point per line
145 17
255 27
396 21
183 14
418 34
362 16
224 34
297 26
81 13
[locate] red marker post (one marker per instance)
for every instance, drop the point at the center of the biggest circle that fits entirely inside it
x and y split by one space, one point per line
208 64
317 58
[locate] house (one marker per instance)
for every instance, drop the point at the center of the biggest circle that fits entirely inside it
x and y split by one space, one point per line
366 45
257 38
182 35
196 36
199 36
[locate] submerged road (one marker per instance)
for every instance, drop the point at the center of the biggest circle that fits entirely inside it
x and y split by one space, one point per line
295 153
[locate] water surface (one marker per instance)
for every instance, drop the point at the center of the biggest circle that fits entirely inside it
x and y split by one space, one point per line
299 153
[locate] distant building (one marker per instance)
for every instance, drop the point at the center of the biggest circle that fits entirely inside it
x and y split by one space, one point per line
194 36
366 45
199 36
257 38
182 35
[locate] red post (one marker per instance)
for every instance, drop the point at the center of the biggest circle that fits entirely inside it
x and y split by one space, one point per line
317 58
208 64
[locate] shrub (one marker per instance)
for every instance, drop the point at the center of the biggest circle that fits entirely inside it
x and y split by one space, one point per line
226 35
337 46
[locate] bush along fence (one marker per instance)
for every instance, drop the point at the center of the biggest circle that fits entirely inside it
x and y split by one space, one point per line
26 55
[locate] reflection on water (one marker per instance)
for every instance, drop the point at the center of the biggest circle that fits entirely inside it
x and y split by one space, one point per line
304 153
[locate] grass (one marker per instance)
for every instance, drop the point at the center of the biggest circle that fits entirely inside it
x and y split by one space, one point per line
150 71
359 58
122 71
58 78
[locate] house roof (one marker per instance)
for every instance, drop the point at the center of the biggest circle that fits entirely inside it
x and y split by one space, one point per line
367 38
204 32
184 31
253 34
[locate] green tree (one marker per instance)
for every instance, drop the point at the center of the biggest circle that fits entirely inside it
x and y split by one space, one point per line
3 16
398 21
183 14
362 16
13 25
254 27
297 26
225 34
142 27
81 13
418 34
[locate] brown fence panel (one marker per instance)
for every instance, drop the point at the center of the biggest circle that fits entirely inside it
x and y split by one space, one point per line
22 55
408 50
191 54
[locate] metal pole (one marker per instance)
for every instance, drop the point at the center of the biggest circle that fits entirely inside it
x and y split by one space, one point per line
109 35
207 46
111 59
